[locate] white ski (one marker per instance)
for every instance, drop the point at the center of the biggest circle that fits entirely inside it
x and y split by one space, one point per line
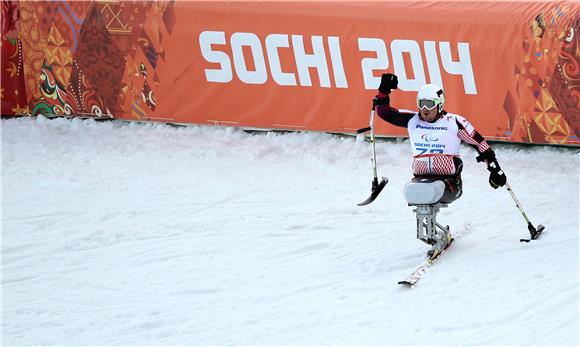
416 275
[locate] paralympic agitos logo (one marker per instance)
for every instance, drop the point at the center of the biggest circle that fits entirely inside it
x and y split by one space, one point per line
429 138
325 57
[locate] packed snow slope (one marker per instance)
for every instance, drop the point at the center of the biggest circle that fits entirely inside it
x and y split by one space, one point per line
119 233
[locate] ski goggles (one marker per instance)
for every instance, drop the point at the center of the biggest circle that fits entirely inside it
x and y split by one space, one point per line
426 104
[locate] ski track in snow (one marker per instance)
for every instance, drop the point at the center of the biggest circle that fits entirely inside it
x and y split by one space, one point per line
120 233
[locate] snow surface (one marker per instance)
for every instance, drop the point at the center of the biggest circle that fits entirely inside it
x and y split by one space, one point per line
120 233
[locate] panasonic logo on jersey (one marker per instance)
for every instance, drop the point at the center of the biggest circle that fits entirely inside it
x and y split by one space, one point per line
430 128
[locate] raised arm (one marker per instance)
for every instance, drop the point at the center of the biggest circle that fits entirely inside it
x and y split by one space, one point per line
382 103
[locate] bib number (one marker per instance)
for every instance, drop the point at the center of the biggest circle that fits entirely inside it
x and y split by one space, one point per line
431 151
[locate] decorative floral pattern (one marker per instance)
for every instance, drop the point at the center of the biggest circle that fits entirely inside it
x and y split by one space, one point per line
12 89
544 105
100 60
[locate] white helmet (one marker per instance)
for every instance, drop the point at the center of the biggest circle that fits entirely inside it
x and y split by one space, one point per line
433 93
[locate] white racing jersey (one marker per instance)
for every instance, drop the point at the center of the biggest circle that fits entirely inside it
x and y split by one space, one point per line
435 145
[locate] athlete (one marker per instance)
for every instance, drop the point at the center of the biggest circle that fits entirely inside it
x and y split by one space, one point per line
435 136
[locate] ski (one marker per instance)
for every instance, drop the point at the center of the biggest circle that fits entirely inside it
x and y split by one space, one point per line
425 265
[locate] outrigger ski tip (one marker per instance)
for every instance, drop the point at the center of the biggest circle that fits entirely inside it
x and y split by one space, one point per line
534 232
376 189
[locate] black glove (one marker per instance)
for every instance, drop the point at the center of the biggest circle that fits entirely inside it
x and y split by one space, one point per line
496 176
388 82
380 101
488 156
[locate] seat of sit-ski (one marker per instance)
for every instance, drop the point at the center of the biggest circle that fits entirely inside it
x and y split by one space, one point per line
424 191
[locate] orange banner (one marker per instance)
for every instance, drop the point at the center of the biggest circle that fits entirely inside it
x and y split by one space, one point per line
511 68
